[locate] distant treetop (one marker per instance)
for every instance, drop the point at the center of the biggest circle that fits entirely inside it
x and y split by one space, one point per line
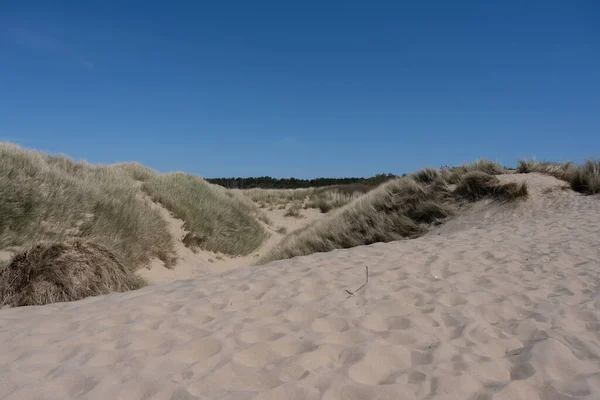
266 182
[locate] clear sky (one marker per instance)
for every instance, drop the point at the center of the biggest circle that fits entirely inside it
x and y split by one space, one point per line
303 88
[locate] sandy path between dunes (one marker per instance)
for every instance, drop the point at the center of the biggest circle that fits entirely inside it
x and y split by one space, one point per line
502 303
196 263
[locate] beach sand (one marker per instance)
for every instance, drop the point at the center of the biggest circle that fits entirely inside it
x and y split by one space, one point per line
500 303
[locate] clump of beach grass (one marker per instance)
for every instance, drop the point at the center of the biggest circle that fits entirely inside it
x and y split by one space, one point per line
66 271
294 210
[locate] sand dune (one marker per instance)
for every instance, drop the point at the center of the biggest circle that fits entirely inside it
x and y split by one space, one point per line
502 303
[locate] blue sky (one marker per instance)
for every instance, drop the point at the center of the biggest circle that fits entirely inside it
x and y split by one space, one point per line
302 89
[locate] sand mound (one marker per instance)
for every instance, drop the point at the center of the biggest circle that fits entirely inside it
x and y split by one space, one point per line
55 272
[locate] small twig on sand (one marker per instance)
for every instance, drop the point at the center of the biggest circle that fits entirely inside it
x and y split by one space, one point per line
363 285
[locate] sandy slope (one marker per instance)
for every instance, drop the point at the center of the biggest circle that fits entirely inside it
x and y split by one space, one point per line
502 303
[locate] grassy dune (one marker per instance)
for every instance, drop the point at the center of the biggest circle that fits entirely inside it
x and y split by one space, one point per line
219 220
401 208
53 198
82 229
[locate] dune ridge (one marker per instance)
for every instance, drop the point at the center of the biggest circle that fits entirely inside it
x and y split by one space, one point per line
502 302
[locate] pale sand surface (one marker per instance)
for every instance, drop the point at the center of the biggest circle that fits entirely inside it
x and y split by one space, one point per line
5 256
502 303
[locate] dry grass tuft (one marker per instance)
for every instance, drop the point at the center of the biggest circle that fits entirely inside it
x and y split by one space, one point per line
430 211
275 197
452 175
586 178
477 185
582 178
294 211
561 171
327 200
426 175
224 220
57 272
261 216
193 241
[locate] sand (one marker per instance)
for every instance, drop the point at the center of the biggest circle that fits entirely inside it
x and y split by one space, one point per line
501 303
5 256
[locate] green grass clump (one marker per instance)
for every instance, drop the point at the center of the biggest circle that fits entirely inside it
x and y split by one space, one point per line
219 220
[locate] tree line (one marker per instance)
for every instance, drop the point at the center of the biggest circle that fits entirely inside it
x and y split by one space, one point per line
267 182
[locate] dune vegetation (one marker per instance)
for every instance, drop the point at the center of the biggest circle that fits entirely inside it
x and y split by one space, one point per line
274 198
401 208
330 198
77 228
53 198
218 219
452 175
49 200
71 270
582 178
323 198
335 196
